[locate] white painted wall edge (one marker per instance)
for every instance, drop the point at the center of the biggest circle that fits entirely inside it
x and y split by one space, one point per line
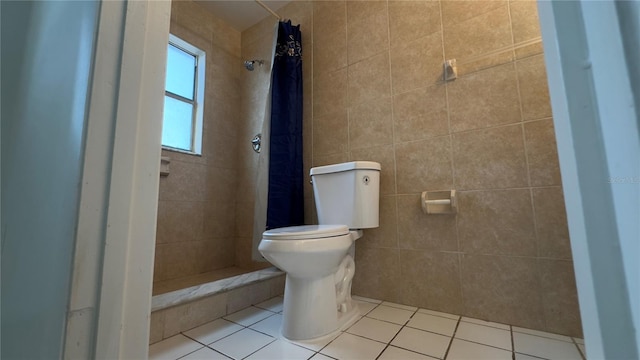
87 261
125 295
582 47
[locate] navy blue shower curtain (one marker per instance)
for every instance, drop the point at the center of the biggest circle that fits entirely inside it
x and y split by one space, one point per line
285 205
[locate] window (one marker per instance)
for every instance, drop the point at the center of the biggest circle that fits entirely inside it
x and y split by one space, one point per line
183 97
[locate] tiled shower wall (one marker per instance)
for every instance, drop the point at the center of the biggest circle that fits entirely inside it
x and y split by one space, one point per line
196 209
378 95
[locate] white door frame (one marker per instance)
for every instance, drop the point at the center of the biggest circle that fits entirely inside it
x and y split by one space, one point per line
113 263
596 124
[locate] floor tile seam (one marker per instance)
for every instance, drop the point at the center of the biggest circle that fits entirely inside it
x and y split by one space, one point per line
400 306
490 326
441 316
261 308
545 337
189 353
484 344
264 346
207 347
578 347
383 342
387 321
253 323
446 352
409 350
431 331
396 335
534 356
226 336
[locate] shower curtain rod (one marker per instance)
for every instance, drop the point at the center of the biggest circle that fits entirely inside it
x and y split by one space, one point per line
264 6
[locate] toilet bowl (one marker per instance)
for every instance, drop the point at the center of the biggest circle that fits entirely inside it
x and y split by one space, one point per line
319 272
318 259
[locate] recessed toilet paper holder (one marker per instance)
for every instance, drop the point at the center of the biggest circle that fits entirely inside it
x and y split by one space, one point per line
439 202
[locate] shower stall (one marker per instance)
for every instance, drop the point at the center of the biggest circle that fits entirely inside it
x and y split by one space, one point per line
212 207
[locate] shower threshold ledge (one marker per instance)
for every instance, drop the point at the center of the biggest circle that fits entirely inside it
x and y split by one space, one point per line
166 300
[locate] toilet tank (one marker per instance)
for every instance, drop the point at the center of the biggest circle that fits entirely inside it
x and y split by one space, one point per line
347 193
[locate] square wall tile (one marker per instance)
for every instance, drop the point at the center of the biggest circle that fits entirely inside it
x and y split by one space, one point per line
490 158
484 98
503 289
479 35
179 221
329 92
417 64
560 297
384 155
551 223
420 114
424 232
456 11
424 165
542 153
498 222
367 30
329 35
370 124
525 25
534 91
385 284
431 279
330 133
369 79
410 20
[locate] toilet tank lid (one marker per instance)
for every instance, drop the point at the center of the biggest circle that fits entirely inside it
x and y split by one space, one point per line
305 232
353 165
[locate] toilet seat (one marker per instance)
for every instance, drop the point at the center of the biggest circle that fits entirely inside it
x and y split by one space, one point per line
305 232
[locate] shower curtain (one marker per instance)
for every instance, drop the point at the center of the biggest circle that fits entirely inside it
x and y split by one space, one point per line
285 205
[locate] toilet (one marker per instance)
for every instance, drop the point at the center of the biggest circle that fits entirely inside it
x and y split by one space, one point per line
318 259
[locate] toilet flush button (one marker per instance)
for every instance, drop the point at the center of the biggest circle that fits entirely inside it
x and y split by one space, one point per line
366 180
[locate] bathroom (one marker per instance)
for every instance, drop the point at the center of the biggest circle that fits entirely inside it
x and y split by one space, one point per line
80 202
373 90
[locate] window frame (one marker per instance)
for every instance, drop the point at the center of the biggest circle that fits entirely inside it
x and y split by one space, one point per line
197 115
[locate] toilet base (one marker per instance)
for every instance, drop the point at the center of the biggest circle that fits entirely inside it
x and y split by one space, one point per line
310 309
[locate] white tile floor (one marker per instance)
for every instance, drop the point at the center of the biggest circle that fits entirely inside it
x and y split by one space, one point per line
385 331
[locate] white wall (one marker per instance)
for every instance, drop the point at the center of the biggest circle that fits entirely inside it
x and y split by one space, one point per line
47 50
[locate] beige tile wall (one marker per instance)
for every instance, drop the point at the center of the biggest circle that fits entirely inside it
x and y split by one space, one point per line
378 95
373 91
196 208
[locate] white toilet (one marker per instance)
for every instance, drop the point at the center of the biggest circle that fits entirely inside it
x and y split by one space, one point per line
318 259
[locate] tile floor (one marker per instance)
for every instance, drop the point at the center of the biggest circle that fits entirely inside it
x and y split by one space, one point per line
385 331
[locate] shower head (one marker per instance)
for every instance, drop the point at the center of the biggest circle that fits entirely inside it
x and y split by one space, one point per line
249 64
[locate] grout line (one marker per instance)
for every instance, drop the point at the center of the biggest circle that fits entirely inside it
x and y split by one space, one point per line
513 346
446 353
